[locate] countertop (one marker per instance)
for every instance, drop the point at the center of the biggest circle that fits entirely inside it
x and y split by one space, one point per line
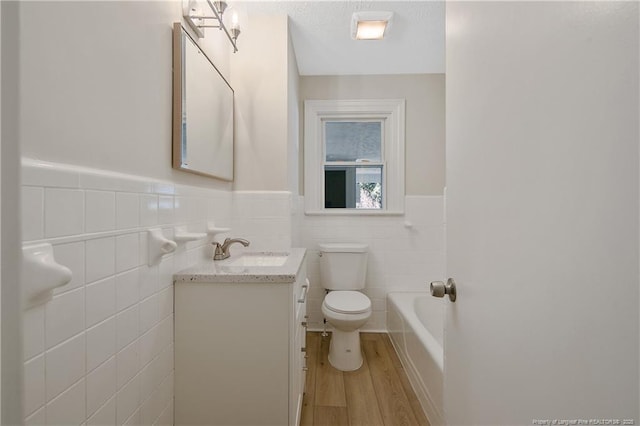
222 271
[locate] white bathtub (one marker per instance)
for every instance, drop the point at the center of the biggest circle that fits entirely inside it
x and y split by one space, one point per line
410 316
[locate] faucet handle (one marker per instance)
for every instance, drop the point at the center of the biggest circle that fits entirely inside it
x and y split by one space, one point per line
222 250
217 247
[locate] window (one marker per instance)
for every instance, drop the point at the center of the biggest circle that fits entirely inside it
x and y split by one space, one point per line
354 157
353 163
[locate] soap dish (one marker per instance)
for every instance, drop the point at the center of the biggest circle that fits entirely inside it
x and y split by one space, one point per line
180 235
214 230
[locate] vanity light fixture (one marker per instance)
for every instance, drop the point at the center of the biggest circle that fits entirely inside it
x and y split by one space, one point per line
199 19
370 25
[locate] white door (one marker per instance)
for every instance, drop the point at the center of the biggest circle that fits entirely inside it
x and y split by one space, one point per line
542 212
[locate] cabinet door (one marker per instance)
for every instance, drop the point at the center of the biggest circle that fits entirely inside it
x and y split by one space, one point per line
298 354
231 353
298 377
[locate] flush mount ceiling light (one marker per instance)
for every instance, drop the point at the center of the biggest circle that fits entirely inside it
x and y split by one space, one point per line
370 25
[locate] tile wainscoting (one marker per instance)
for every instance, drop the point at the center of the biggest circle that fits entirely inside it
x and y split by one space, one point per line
101 352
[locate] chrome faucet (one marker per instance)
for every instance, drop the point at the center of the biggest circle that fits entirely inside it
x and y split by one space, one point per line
222 250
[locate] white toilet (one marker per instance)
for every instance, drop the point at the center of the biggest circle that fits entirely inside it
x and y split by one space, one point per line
343 268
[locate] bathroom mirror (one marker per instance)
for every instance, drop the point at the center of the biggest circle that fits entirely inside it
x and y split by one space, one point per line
202 112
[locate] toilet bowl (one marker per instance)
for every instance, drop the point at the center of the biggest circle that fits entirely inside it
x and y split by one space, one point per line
346 311
343 269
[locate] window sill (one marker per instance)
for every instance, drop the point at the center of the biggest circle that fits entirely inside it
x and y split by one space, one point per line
362 212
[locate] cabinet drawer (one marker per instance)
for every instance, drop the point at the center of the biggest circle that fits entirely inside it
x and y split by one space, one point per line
301 296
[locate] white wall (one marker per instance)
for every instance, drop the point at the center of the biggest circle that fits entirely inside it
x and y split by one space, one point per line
96 85
293 118
425 129
259 77
106 66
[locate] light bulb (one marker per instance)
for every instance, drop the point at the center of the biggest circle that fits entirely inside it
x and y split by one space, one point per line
235 25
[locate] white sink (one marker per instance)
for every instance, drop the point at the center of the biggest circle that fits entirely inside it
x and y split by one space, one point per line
261 259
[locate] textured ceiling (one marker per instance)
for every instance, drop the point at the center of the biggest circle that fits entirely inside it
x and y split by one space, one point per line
321 35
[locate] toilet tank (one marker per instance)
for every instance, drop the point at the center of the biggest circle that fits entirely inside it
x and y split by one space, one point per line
343 266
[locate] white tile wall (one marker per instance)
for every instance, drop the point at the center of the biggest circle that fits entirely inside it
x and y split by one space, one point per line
101 352
127 363
72 256
165 209
263 218
127 326
35 384
101 343
68 408
405 252
100 258
64 317
148 209
101 385
100 211
64 365
127 289
38 418
106 415
127 252
127 210
100 300
32 220
63 212
33 336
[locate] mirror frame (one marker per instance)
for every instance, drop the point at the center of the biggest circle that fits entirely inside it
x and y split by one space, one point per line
178 136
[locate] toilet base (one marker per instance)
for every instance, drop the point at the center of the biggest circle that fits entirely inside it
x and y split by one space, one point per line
344 350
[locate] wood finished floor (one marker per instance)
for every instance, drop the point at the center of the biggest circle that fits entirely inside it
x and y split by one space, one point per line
378 394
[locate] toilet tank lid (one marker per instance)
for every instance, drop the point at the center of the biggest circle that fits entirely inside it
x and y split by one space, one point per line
343 248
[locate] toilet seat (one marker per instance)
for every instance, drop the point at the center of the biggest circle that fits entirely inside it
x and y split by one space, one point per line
347 302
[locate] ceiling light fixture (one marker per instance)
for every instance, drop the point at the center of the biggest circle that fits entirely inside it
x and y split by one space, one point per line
370 25
199 20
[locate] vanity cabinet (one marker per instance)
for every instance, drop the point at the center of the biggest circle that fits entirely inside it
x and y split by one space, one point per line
239 349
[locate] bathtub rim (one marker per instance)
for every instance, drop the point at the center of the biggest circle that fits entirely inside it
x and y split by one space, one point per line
434 413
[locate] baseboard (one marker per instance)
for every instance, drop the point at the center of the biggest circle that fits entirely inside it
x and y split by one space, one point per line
314 329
